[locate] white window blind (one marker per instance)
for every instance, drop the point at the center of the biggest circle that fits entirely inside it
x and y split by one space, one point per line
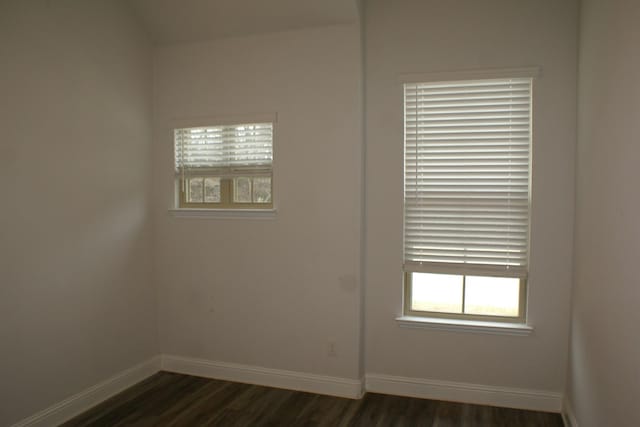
467 160
225 151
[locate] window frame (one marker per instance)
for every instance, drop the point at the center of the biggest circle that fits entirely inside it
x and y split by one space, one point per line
222 209
227 193
469 270
522 303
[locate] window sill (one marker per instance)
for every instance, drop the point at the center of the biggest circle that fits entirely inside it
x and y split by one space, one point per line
223 213
456 325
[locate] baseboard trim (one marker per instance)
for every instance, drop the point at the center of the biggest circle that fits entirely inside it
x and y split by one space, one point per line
568 416
80 402
292 380
535 400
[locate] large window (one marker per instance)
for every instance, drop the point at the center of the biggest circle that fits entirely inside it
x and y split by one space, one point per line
225 167
466 198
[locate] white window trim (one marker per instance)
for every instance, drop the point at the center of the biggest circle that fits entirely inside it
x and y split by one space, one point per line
533 72
459 325
221 120
223 213
203 121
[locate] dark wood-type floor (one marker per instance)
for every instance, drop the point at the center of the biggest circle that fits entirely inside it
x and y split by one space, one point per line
167 399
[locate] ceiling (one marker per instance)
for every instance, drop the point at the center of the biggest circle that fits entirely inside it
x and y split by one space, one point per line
173 21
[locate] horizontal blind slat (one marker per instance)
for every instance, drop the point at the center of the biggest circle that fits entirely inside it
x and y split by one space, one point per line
467 151
241 145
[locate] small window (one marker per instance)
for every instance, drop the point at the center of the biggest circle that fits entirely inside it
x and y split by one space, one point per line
225 167
466 198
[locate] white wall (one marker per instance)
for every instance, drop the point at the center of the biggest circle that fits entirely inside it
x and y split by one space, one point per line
604 377
267 292
406 36
76 300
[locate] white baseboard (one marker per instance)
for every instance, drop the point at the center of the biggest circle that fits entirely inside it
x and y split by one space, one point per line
535 400
321 384
80 402
335 386
568 416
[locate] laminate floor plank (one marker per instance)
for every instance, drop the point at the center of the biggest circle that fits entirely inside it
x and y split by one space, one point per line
476 416
396 411
324 411
175 400
254 407
162 401
289 413
203 410
184 407
448 414
125 402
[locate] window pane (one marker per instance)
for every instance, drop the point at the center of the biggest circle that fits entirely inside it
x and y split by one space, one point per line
262 190
212 190
436 292
242 190
195 190
493 296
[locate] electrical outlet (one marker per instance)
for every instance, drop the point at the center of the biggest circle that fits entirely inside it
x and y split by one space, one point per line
331 349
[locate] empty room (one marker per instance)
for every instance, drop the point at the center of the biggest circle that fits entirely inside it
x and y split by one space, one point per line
319 213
